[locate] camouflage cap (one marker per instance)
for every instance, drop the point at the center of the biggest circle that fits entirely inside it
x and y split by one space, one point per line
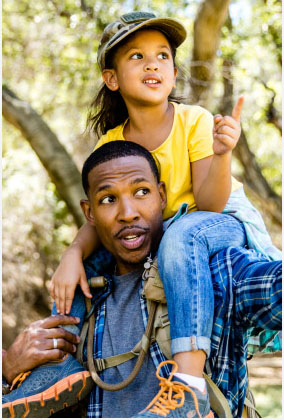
128 23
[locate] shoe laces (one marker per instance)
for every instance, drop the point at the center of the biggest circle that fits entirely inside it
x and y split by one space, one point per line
171 394
20 378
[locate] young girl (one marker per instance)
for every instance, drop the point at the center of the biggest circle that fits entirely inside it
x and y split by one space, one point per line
136 56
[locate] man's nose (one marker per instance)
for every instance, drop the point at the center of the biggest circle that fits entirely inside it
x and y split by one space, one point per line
127 211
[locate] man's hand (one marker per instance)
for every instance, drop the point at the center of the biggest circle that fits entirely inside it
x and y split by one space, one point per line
227 130
34 346
67 276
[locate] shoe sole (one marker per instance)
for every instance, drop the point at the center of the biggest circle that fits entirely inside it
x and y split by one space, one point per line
64 393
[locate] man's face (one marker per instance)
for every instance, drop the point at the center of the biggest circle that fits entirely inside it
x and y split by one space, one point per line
125 205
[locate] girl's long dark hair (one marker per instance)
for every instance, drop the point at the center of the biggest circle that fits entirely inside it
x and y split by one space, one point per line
108 108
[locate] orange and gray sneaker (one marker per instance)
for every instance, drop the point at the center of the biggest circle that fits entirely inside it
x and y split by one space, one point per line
176 399
47 389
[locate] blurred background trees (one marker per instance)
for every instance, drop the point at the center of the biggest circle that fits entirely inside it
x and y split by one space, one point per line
50 76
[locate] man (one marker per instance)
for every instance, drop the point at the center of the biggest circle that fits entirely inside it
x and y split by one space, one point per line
125 203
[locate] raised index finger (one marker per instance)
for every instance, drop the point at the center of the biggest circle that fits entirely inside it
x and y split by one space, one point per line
236 113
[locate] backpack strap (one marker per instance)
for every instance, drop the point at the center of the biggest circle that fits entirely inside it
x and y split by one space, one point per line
251 410
83 335
94 282
218 401
108 362
145 343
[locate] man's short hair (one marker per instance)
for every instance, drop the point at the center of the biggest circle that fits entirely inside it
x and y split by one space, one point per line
113 150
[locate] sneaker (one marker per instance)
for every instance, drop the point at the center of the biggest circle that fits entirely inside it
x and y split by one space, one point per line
48 389
177 399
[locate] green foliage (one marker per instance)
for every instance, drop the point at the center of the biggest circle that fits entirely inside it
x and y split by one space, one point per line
268 399
33 213
251 42
36 229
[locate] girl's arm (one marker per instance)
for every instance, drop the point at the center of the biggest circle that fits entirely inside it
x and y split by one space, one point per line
211 177
71 272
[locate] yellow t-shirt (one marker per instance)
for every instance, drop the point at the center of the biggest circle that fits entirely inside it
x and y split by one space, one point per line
190 139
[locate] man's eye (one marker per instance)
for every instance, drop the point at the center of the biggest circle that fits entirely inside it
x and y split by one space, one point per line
107 200
136 56
163 55
142 191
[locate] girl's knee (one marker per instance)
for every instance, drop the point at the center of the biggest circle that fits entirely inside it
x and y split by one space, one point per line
173 240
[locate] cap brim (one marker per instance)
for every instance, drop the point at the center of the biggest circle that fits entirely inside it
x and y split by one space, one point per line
171 27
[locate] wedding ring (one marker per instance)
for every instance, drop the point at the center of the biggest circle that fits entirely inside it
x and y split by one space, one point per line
55 343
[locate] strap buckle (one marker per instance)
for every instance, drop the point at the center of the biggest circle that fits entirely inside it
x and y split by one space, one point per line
100 364
164 320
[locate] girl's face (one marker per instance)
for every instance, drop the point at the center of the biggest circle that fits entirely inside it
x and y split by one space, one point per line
144 71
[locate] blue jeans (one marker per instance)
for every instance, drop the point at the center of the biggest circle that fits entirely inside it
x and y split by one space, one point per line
183 262
78 309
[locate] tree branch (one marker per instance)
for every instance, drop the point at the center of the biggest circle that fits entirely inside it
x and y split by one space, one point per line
253 178
59 10
252 175
272 115
87 9
54 157
207 27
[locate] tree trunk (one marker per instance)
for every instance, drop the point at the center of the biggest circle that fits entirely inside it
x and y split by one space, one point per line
252 175
207 27
54 157
253 178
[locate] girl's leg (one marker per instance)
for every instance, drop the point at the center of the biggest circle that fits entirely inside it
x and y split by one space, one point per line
183 261
78 309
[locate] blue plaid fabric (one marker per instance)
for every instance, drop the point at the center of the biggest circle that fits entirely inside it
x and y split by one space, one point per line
246 300
242 302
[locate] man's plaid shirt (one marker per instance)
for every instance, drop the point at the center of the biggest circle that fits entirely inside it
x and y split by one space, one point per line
239 308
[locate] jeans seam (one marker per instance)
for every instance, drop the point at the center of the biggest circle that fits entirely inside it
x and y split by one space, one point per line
213 225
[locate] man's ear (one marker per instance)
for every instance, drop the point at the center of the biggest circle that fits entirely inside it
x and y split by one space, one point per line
110 79
86 208
163 194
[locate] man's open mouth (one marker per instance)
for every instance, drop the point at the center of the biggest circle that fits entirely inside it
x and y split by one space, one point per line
132 238
132 241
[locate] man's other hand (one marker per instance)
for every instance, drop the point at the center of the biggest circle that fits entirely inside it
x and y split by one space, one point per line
35 345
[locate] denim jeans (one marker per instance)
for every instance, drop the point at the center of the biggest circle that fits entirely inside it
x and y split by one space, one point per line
183 262
78 309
